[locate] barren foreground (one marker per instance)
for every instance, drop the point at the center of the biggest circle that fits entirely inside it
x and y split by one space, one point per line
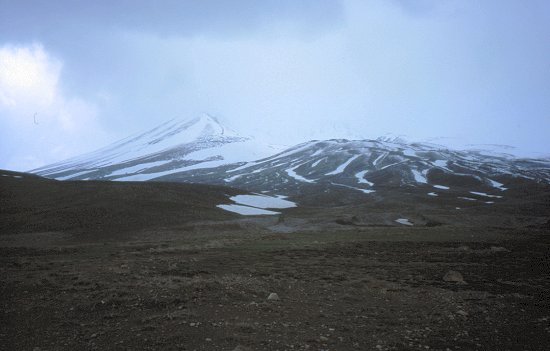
158 266
207 287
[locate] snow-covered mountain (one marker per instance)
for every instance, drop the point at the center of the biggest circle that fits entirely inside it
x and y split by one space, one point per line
202 150
374 167
175 146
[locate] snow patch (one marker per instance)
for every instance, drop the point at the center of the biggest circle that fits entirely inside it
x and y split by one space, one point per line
433 194
262 201
497 185
144 176
136 169
74 175
246 210
361 178
409 152
442 187
343 166
291 151
317 162
419 177
379 158
366 191
394 164
258 170
148 176
246 165
404 221
467 198
296 176
318 152
255 205
230 179
485 194
12 176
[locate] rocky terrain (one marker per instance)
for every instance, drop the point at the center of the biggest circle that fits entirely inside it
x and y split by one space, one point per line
158 266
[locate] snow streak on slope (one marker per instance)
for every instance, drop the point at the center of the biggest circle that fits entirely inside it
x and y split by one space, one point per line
137 168
419 177
497 185
375 162
343 166
361 178
366 191
292 173
316 163
485 194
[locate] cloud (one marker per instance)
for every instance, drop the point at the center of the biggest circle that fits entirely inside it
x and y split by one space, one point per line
418 7
140 53
39 122
27 77
23 18
291 69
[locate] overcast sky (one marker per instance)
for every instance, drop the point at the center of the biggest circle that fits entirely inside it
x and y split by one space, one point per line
75 75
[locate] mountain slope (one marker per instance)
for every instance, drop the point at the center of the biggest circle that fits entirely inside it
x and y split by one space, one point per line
316 173
175 146
367 166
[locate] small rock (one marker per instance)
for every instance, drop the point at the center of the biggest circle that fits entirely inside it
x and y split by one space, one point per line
208 339
454 276
499 249
323 338
93 335
463 248
273 297
462 313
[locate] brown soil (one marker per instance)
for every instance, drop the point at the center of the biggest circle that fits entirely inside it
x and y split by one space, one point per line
367 289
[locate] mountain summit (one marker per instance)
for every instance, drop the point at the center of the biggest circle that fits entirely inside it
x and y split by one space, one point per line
175 146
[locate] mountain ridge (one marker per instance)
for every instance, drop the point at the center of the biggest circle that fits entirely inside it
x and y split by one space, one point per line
202 150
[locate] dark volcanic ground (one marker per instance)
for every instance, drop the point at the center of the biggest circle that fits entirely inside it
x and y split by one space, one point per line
201 281
380 288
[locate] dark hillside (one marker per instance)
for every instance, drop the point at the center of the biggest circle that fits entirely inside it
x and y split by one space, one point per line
30 203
